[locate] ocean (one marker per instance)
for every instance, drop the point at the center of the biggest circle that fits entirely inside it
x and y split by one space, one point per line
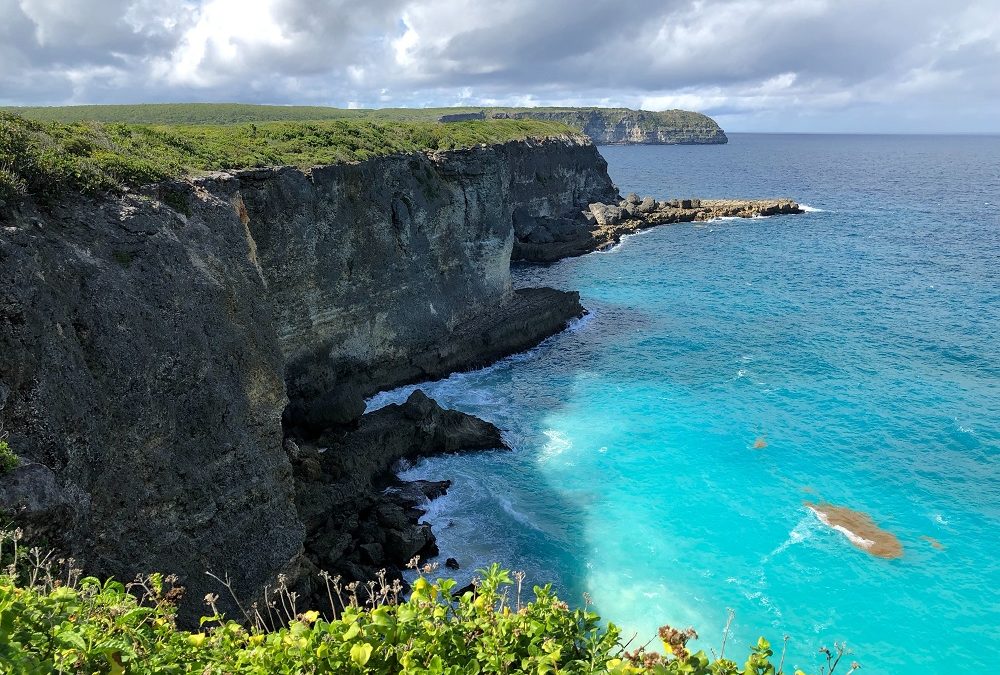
665 446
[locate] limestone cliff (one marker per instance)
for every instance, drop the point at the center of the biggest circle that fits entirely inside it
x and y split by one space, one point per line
622 126
398 270
148 341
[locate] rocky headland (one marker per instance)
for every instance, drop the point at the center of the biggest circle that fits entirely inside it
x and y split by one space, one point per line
604 224
184 367
623 126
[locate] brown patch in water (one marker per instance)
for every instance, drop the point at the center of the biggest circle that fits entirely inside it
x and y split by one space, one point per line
860 530
809 489
759 443
933 542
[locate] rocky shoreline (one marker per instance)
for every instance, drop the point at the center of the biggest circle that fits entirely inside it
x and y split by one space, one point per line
359 519
602 225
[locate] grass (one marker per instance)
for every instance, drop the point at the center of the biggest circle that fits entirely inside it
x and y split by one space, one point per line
42 159
240 113
53 620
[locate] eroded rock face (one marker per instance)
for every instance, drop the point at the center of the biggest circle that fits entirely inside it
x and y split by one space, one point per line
145 391
389 271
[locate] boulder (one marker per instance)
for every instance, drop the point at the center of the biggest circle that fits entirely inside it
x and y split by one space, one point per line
605 214
451 564
402 545
632 198
685 203
647 205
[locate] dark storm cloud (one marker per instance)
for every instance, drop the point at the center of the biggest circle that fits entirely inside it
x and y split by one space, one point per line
756 63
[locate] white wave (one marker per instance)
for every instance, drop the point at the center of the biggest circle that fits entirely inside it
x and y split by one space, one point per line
811 209
577 325
615 248
557 444
522 518
939 519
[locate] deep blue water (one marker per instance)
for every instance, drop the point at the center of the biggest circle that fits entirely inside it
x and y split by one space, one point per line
861 341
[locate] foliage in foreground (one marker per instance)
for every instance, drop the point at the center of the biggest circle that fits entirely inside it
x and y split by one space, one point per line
42 159
51 620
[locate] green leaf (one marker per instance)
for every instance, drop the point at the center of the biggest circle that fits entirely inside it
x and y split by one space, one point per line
360 653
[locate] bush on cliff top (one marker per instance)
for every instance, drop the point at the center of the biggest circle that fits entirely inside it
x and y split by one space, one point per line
42 159
52 620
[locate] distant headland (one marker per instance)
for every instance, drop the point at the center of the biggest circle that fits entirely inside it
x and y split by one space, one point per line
605 126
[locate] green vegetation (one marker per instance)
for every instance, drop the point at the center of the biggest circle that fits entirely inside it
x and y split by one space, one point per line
54 621
8 460
240 113
42 159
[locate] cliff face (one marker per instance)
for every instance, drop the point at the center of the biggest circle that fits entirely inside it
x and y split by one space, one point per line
398 270
148 341
141 384
621 126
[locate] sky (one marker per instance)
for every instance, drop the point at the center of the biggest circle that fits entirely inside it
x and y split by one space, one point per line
753 65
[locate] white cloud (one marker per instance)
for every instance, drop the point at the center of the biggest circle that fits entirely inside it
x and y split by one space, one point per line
755 63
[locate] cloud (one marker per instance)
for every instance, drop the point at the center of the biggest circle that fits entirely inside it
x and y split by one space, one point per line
765 64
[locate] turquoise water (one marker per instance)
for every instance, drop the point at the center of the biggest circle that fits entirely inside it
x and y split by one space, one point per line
861 340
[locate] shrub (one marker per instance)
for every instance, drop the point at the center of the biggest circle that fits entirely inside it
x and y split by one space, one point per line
51 620
8 460
46 159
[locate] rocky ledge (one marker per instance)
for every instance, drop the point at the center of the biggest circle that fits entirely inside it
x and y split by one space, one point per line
603 225
359 518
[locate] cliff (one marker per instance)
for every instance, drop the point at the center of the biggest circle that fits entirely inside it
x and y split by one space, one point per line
622 126
152 340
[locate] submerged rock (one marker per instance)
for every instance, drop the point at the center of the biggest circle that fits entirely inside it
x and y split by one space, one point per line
859 529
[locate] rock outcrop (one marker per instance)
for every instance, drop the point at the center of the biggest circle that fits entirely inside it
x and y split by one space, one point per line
397 270
358 518
622 126
602 225
149 342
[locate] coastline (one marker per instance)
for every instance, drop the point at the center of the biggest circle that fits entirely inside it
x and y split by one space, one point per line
319 288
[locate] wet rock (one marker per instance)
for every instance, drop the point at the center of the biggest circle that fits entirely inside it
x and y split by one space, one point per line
451 564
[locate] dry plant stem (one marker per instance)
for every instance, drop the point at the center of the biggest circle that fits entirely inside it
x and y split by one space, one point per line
229 587
725 633
784 649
